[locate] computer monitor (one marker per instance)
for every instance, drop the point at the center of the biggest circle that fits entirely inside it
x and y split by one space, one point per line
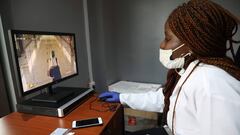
44 59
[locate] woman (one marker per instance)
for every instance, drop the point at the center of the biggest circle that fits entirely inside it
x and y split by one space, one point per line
202 92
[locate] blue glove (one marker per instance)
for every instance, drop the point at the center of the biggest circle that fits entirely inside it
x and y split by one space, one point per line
110 96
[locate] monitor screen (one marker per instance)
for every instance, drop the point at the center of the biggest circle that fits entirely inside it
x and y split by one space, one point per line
43 58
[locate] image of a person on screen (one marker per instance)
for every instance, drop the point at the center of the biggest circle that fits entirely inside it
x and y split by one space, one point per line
54 70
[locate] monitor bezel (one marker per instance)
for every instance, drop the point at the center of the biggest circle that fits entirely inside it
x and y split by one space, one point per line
50 84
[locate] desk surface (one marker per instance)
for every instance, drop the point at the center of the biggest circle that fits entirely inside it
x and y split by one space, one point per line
27 124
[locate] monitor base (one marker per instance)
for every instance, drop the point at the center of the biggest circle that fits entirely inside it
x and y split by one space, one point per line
59 109
53 98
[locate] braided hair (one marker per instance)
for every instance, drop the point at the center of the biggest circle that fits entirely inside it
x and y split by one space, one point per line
205 27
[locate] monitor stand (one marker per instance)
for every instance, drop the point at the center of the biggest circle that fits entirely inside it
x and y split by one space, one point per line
53 95
59 109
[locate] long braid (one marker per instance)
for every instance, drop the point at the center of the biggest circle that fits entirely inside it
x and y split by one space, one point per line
172 79
205 27
208 45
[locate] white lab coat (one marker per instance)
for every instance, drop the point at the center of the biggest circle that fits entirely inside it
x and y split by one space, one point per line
208 104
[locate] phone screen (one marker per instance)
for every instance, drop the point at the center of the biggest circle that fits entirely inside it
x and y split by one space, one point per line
87 122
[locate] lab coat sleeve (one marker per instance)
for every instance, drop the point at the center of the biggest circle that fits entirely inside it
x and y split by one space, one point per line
150 101
219 116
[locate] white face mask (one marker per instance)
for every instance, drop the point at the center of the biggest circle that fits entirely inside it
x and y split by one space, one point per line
165 55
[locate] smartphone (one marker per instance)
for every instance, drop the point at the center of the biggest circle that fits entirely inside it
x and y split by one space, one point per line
87 122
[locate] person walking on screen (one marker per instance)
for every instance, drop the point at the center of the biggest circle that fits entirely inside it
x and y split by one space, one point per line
54 70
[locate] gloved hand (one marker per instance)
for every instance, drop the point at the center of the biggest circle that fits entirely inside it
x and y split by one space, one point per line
110 96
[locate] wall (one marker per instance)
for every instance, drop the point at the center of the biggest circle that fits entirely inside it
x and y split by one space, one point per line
102 35
123 46
44 15
125 38
97 43
125 34
139 30
8 99
4 103
233 7
56 16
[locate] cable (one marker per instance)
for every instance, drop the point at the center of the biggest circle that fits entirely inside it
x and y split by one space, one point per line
105 105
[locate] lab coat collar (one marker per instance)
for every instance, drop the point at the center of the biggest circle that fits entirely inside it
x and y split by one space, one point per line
182 70
177 87
186 72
